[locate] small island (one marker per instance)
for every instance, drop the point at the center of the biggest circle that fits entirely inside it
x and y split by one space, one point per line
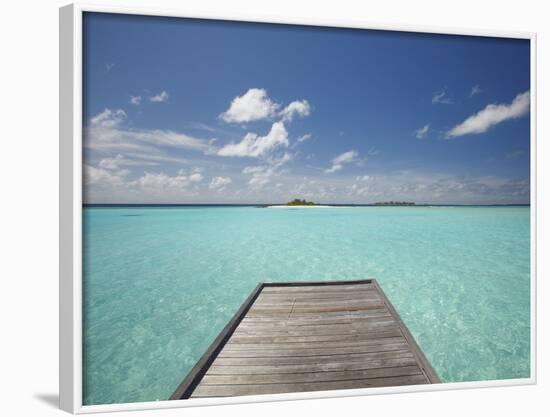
298 202
395 203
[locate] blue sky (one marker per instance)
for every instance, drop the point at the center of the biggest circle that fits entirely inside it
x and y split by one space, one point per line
194 111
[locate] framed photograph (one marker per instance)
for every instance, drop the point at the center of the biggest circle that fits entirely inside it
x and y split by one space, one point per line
262 209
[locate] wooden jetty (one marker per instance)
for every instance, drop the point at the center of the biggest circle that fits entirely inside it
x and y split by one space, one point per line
309 336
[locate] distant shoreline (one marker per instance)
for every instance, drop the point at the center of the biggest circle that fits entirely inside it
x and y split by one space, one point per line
287 206
98 205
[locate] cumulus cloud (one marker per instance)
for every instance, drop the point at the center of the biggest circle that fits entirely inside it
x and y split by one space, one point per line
342 159
103 177
296 108
476 89
108 118
422 132
492 115
135 100
441 97
219 183
253 105
159 98
280 160
253 145
262 174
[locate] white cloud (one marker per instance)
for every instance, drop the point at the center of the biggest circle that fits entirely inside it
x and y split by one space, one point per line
281 160
253 105
169 138
219 183
159 98
346 157
253 170
342 159
109 67
334 168
301 139
119 161
422 132
253 145
105 133
132 139
102 177
299 108
362 178
108 118
363 191
261 175
305 137
492 115
475 90
440 97
163 182
156 158
136 100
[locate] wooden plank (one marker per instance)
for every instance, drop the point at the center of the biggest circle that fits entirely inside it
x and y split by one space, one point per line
297 310
258 389
310 376
348 350
315 338
313 314
304 296
373 332
317 289
319 319
303 329
319 359
336 284
290 345
314 303
300 323
319 330
325 295
334 293
342 365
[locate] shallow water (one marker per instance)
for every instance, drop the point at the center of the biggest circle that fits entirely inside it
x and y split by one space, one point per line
161 282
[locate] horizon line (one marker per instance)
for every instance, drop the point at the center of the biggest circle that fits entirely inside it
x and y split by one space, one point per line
325 204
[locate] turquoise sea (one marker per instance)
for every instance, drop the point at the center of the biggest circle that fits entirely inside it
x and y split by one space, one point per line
161 282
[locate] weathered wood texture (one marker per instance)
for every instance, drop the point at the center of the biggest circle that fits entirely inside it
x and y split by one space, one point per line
316 336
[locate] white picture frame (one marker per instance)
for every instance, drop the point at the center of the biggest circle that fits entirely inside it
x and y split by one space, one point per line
70 153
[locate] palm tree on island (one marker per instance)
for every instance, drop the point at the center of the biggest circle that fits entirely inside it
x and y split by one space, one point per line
298 202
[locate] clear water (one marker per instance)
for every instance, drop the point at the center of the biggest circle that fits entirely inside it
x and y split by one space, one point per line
160 283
